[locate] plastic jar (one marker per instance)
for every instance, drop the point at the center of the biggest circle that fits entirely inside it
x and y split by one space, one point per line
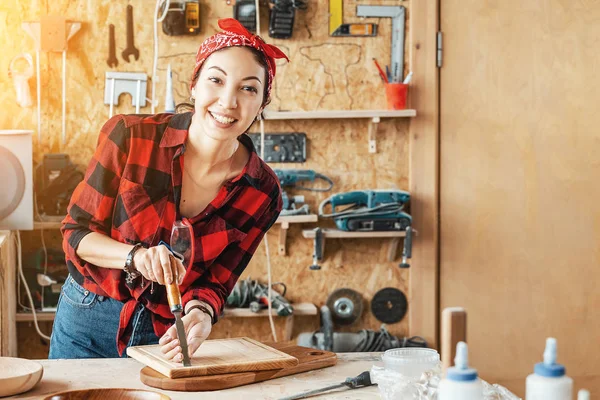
411 361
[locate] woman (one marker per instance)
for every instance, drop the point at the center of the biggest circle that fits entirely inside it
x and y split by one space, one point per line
197 170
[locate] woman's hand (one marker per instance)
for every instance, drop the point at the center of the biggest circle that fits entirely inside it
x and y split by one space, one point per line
198 326
154 264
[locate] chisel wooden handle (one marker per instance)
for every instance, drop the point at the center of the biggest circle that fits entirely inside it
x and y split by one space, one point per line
454 330
173 294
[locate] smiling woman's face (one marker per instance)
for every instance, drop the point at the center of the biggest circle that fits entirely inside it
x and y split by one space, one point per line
229 92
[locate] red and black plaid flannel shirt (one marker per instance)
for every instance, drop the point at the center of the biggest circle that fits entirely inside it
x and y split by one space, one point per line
130 192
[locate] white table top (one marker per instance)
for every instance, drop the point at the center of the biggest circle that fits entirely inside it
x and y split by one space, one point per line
63 375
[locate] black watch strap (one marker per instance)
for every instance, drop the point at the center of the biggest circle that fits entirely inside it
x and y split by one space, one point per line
129 268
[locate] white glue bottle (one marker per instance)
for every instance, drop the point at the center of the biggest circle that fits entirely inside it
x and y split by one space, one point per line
461 382
583 395
548 381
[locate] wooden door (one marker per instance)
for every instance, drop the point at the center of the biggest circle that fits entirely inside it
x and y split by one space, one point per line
520 182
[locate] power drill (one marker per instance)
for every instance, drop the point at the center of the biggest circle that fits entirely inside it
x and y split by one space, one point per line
278 302
290 178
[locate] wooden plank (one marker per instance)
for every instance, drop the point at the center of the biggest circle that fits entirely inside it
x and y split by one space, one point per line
453 330
299 309
8 295
297 219
423 175
37 225
41 316
335 233
335 114
308 360
220 356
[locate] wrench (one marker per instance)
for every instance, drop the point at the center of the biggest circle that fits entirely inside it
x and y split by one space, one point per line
112 60
130 49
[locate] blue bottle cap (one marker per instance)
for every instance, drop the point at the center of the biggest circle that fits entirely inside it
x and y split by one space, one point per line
461 375
461 371
549 368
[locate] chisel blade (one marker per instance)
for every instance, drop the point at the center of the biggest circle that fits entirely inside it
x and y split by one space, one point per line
182 339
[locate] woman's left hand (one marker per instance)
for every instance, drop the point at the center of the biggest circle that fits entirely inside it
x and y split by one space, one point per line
198 326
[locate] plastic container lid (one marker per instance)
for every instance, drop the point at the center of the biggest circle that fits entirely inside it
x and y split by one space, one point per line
410 361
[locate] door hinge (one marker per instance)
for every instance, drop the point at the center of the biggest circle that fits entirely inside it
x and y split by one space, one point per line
439 49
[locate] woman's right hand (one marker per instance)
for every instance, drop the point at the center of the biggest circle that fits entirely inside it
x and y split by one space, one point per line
155 265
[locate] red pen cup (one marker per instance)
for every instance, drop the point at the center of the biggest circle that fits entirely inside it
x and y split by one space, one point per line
396 94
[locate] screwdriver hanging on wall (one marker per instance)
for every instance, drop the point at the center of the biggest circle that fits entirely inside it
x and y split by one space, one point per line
318 249
407 250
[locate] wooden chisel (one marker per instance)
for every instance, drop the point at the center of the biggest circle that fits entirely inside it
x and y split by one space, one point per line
174 297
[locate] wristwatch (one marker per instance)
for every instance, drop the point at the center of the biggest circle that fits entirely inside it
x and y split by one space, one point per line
129 268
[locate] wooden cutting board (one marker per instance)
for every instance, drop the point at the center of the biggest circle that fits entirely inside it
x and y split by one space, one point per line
219 356
309 359
108 393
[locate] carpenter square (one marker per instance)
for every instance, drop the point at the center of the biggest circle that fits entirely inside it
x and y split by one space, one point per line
174 297
397 14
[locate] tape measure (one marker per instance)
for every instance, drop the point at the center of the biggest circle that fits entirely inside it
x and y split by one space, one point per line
338 28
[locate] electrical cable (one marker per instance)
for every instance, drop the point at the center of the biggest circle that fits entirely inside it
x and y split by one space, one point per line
269 282
266 239
318 176
372 341
39 96
153 101
382 209
37 214
20 266
257 5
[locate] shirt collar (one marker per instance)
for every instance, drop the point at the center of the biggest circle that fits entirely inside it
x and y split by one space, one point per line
177 130
176 134
253 171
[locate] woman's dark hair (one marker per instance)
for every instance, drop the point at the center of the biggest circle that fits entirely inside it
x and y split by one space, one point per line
258 56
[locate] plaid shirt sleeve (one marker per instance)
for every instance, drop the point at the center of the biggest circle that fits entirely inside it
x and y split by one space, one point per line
216 283
92 202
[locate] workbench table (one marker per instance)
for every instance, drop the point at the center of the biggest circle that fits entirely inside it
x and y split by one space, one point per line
63 375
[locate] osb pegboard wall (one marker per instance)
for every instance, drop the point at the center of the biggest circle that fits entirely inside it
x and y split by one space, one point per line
325 73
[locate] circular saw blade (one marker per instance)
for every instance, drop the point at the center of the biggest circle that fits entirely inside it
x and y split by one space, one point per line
346 306
389 305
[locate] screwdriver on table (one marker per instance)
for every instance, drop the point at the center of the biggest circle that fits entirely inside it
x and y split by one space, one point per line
362 380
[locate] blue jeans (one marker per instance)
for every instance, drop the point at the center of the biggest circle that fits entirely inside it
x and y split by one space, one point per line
86 325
